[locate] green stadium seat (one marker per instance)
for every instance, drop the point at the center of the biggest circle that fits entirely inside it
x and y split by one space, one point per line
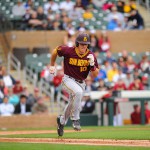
30 59
45 58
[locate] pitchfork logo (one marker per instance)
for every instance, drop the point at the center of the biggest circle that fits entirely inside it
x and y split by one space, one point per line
85 39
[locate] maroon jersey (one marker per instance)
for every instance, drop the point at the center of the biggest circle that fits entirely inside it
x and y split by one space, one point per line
75 65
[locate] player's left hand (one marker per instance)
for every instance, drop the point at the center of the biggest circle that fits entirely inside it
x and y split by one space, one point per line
91 59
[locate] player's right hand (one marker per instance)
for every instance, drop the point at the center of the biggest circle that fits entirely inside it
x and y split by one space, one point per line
52 70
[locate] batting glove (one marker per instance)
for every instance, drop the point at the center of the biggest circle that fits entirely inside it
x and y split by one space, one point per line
52 70
91 59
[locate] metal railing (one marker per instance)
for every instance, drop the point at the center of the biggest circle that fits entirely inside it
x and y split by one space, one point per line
30 76
15 63
49 90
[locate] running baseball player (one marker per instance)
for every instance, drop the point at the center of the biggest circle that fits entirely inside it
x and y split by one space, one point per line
78 62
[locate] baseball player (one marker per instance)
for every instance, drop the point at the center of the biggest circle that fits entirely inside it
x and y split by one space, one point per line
78 62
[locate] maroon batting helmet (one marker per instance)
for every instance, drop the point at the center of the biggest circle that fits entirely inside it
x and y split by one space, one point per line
82 38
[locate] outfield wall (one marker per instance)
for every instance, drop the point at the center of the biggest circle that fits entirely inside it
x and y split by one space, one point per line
137 41
28 121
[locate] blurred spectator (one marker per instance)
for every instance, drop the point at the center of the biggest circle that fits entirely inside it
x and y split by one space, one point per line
25 19
85 3
65 24
119 85
113 23
18 89
136 85
117 119
120 6
81 27
69 38
32 98
130 63
145 82
107 66
124 55
107 5
100 85
66 5
94 40
109 57
45 74
144 64
25 91
104 42
29 4
51 15
89 85
39 107
34 23
88 13
41 17
3 90
128 7
87 104
23 108
122 65
120 75
57 79
9 81
51 5
136 20
101 75
75 14
126 24
55 26
99 3
114 14
70 27
91 5
18 10
6 109
136 73
79 6
136 115
128 79
147 112
13 98
112 72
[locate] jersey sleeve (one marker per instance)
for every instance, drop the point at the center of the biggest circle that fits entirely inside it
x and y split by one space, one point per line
62 51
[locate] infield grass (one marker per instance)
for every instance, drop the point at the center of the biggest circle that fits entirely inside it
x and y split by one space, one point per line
125 132
38 146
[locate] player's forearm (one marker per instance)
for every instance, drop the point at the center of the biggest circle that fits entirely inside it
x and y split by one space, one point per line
53 57
95 72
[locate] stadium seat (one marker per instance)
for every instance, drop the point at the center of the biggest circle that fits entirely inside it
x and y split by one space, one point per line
45 58
31 58
41 50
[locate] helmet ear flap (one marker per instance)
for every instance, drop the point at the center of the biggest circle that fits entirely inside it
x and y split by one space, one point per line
77 44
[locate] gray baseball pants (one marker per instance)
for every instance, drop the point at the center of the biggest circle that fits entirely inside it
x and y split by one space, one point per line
75 91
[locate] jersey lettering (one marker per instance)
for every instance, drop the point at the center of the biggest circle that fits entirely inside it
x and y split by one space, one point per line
78 62
73 61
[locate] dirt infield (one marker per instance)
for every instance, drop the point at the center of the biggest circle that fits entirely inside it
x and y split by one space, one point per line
109 142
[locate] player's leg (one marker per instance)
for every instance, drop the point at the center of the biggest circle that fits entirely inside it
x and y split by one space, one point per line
74 106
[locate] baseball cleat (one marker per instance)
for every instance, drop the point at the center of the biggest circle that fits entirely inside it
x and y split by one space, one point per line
60 127
76 125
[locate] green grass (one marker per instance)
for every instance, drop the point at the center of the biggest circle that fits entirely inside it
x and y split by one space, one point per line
125 132
37 146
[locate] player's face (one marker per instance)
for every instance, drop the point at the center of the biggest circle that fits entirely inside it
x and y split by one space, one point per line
82 48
